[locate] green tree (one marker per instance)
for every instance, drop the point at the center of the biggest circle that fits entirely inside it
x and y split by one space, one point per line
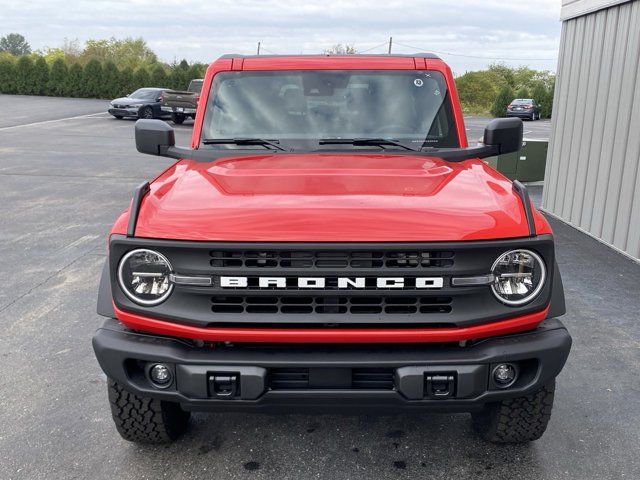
110 80
74 84
92 79
125 82
24 84
159 77
523 93
547 110
178 78
195 71
340 49
15 44
58 77
129 52
504 97
7 74
541 95
41 76
141 78
476 91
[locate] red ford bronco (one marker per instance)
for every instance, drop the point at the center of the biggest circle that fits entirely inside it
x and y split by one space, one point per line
328 242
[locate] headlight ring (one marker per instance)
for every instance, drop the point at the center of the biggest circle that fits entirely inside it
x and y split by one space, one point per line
143 276
519 276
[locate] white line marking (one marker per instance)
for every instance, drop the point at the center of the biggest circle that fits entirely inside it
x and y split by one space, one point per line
88 115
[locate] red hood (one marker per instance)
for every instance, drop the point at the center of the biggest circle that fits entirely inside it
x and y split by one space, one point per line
331 197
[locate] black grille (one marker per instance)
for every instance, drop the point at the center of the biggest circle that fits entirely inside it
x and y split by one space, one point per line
300 305
338 378
330 259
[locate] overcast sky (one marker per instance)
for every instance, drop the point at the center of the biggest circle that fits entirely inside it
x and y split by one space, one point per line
517 32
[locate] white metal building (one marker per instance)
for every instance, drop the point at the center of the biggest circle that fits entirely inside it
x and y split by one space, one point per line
592 178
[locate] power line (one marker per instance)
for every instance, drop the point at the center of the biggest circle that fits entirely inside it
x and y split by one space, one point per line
473 56
373 48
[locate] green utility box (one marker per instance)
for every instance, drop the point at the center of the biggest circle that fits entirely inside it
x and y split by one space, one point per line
526 165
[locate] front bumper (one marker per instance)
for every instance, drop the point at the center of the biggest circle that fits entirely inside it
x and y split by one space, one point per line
333 377
123 112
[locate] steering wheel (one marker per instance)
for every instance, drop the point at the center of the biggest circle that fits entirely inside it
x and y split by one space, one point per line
399 128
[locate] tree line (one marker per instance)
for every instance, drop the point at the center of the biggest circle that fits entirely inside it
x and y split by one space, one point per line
102 69
490 91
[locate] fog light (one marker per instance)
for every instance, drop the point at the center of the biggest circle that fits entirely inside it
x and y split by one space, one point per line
504 375
160 375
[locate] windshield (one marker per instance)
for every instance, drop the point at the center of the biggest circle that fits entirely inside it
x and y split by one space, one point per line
300 108
145 93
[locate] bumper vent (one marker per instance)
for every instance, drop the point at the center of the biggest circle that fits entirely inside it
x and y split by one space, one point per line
330 259
300 305
331 378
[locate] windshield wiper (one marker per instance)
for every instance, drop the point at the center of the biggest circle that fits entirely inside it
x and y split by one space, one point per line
376 142
244 141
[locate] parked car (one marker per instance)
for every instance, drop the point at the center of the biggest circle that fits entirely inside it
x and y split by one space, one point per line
143 103
524 108
331 242
183 104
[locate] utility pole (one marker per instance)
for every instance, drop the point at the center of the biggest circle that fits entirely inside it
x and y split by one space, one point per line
390 44
258 49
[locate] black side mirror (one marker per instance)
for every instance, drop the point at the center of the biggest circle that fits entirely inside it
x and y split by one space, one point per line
504 135
154 137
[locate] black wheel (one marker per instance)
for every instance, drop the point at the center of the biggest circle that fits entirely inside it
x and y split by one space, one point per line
177 118
517 420
119 117
145 112
143 419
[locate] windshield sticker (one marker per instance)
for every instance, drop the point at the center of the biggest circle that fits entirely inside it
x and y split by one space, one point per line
418 82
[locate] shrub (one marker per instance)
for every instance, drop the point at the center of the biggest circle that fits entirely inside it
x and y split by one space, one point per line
141 79
41 77
7 75
504 97
24 76
92 80
58 78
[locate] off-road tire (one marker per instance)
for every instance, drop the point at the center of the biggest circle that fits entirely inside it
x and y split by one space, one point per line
144 419
517 420
177 118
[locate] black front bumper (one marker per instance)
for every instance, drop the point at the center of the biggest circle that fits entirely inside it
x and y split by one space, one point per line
312 378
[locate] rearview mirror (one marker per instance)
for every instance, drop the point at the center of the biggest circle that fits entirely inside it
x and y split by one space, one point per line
504 135
154 137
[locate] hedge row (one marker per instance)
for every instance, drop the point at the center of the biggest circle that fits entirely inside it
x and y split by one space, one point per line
26 76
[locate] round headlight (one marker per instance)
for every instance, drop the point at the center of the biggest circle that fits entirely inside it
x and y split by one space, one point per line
519 276
144 276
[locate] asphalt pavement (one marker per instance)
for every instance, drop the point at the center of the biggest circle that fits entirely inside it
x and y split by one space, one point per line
63 181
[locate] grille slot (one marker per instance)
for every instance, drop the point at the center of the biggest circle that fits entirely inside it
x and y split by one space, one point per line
372 378
310 378
401 305
331 259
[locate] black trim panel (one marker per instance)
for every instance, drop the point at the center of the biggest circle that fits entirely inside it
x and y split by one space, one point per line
523 194
138 195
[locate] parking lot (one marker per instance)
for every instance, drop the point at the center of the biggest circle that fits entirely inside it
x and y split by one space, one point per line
67 170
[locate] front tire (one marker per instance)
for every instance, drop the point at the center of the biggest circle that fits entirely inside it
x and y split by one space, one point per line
146 112
177 118
516 420
144 419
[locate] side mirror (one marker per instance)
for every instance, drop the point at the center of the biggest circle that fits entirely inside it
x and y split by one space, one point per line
154 137
504 135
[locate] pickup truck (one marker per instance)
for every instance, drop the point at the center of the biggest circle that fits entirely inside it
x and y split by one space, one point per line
183 104
330 242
